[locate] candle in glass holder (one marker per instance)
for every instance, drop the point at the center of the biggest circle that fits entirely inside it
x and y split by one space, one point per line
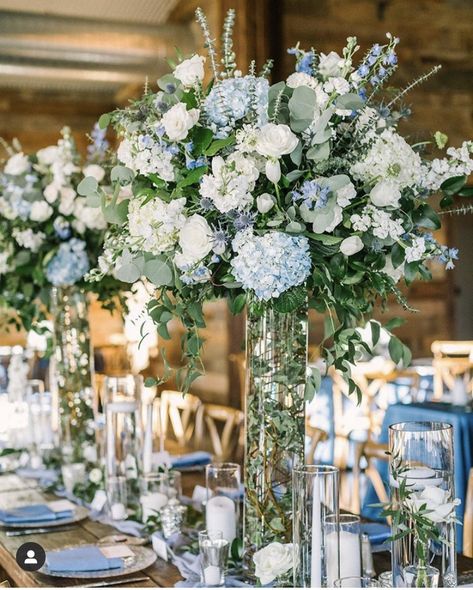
343 540
152 503
220 515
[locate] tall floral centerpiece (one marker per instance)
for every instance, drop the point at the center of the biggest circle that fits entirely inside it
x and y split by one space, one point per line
50 237
278 197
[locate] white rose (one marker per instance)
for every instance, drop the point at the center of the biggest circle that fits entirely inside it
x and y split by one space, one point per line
95 475
436 501
17 164
351 245
95 171
330 64
272 561
47 155
190 71
40 211
195 240
264 203
178 120
90 453
275 141
273 170
385 194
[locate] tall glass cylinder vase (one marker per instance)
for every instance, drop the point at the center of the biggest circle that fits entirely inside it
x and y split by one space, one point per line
276 359
316 527
422 475
72 370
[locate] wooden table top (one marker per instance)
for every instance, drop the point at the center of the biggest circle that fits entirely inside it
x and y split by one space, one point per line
16 491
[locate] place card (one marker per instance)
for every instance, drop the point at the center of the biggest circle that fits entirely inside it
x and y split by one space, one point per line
117 551
99 500
61 505
160 547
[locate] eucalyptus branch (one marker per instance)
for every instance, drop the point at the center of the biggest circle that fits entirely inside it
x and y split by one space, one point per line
464 210
209 43
7 147
413 84
228 59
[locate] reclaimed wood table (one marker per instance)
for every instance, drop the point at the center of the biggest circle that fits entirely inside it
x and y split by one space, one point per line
15 491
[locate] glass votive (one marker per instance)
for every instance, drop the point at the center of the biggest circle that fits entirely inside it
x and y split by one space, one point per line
72 474
355 582
156 490
418 576
213 549
117 497
223 493
385 579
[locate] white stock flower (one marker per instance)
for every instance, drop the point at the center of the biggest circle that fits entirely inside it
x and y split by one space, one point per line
330 64
385 193
272 561
275 141
156 224
351 245
338 85
95 171
29 239
264 203
436 501
95 475
178 121
17 164
66 200
195 240
190 71
48 155
40 211
51 192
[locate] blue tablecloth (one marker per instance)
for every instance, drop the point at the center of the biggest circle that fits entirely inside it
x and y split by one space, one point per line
462 421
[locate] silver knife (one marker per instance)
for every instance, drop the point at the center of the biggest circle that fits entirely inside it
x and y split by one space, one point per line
38 531
104 583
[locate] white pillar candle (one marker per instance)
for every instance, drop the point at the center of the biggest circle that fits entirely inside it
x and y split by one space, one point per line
349 556
110 442
118 511
316 553
418 478
212 575
220 515
152 503
148 440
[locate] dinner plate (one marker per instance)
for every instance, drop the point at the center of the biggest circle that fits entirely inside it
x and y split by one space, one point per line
143 558
80 512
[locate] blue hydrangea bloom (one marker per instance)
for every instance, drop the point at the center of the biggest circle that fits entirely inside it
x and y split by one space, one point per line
270 264
69 265
234 98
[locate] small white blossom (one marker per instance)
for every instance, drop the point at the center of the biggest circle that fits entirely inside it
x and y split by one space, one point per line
17 164
385 194
190 71
345 195
40 211
29 239
178 121
330 64
416 251
264 203
95 171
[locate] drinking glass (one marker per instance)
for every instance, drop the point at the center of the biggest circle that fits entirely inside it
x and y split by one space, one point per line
355 582
156 490
117 497
213 549
421 576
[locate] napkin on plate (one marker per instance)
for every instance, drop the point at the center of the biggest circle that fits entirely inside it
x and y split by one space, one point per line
33 513
191 459
81 559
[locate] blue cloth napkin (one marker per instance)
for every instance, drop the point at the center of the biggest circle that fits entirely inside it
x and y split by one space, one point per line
81 559
192 459
377 532
32 513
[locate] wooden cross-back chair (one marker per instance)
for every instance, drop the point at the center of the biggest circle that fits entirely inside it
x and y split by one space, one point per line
369 452
183 413
224 426
317 435
452 359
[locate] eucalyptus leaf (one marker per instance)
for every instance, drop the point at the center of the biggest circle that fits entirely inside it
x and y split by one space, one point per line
129 267
350 101
87 186
158 272
302 103
122 175
319 153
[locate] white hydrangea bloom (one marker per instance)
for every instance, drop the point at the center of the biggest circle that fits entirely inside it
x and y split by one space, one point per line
391 158
155 226
87 217
457 163
416 251
146 157
29 239
231 182
380 222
